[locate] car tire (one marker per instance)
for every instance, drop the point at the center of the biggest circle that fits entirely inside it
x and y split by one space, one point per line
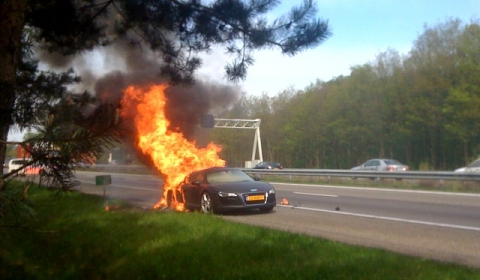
206 205
266 209
169 199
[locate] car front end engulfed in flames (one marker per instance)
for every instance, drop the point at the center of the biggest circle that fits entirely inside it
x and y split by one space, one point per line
194 178
223 189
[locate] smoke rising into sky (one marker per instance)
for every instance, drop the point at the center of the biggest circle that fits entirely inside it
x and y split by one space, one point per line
107 72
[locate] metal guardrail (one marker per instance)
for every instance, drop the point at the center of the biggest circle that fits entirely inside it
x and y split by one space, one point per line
426 175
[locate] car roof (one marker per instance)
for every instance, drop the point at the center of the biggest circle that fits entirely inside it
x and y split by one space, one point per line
473 162
216 168
15 159
382 159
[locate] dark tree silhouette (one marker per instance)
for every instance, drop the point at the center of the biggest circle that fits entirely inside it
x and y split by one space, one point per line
176 31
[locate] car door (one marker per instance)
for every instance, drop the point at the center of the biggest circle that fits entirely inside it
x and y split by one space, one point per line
370 165
377 165
373 165
192 190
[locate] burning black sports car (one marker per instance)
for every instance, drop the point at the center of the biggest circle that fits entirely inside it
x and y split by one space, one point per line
219 189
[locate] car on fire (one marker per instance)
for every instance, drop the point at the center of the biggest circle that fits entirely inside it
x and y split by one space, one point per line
221 189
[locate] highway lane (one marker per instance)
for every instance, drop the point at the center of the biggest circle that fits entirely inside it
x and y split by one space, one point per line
457 210
435 225
141 190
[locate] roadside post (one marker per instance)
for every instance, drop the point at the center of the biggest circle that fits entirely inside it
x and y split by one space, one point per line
103 180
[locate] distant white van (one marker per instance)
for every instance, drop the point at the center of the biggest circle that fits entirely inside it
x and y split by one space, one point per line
17 163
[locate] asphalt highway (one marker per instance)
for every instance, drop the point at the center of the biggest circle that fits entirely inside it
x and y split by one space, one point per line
434 225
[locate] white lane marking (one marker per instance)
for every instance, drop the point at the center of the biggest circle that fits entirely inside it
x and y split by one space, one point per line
128 187
385 218
380 189
316 194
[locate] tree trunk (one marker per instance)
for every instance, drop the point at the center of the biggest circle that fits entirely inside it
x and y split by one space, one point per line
382 149
12 15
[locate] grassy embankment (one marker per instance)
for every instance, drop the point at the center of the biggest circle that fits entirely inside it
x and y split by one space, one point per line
75 237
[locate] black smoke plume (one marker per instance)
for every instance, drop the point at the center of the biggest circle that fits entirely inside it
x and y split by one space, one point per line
123 64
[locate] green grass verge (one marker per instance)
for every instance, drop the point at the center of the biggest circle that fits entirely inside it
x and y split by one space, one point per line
76 238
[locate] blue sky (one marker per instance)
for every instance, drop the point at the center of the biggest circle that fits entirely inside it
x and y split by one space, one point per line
361 30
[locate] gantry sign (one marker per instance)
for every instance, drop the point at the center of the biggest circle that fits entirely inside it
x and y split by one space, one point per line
244 124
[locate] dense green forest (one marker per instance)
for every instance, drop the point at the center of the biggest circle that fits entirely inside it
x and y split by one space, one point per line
421 108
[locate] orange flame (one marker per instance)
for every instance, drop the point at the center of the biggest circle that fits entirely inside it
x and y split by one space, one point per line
111 207
171 153
32 170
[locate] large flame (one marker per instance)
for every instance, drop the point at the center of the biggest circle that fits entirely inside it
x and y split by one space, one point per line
171 153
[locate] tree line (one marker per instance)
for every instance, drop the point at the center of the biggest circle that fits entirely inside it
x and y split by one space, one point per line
422 108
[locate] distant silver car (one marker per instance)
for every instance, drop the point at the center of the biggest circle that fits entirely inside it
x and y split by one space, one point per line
382 164
472 167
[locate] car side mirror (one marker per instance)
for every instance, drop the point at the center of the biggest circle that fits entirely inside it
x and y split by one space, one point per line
256 178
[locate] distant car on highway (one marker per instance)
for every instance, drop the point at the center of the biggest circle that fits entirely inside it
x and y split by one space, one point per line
17 163
220 189
82 164
382 164
268 165
472 167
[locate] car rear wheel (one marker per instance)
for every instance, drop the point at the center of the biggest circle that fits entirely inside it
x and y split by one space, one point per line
206 203
169 199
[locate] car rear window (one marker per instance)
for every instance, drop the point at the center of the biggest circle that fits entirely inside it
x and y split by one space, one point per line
475 164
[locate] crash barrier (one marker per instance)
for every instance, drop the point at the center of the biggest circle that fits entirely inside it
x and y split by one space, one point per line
110 168
339 173
399 175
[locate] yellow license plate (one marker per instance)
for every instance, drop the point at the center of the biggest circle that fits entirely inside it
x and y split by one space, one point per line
255 197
